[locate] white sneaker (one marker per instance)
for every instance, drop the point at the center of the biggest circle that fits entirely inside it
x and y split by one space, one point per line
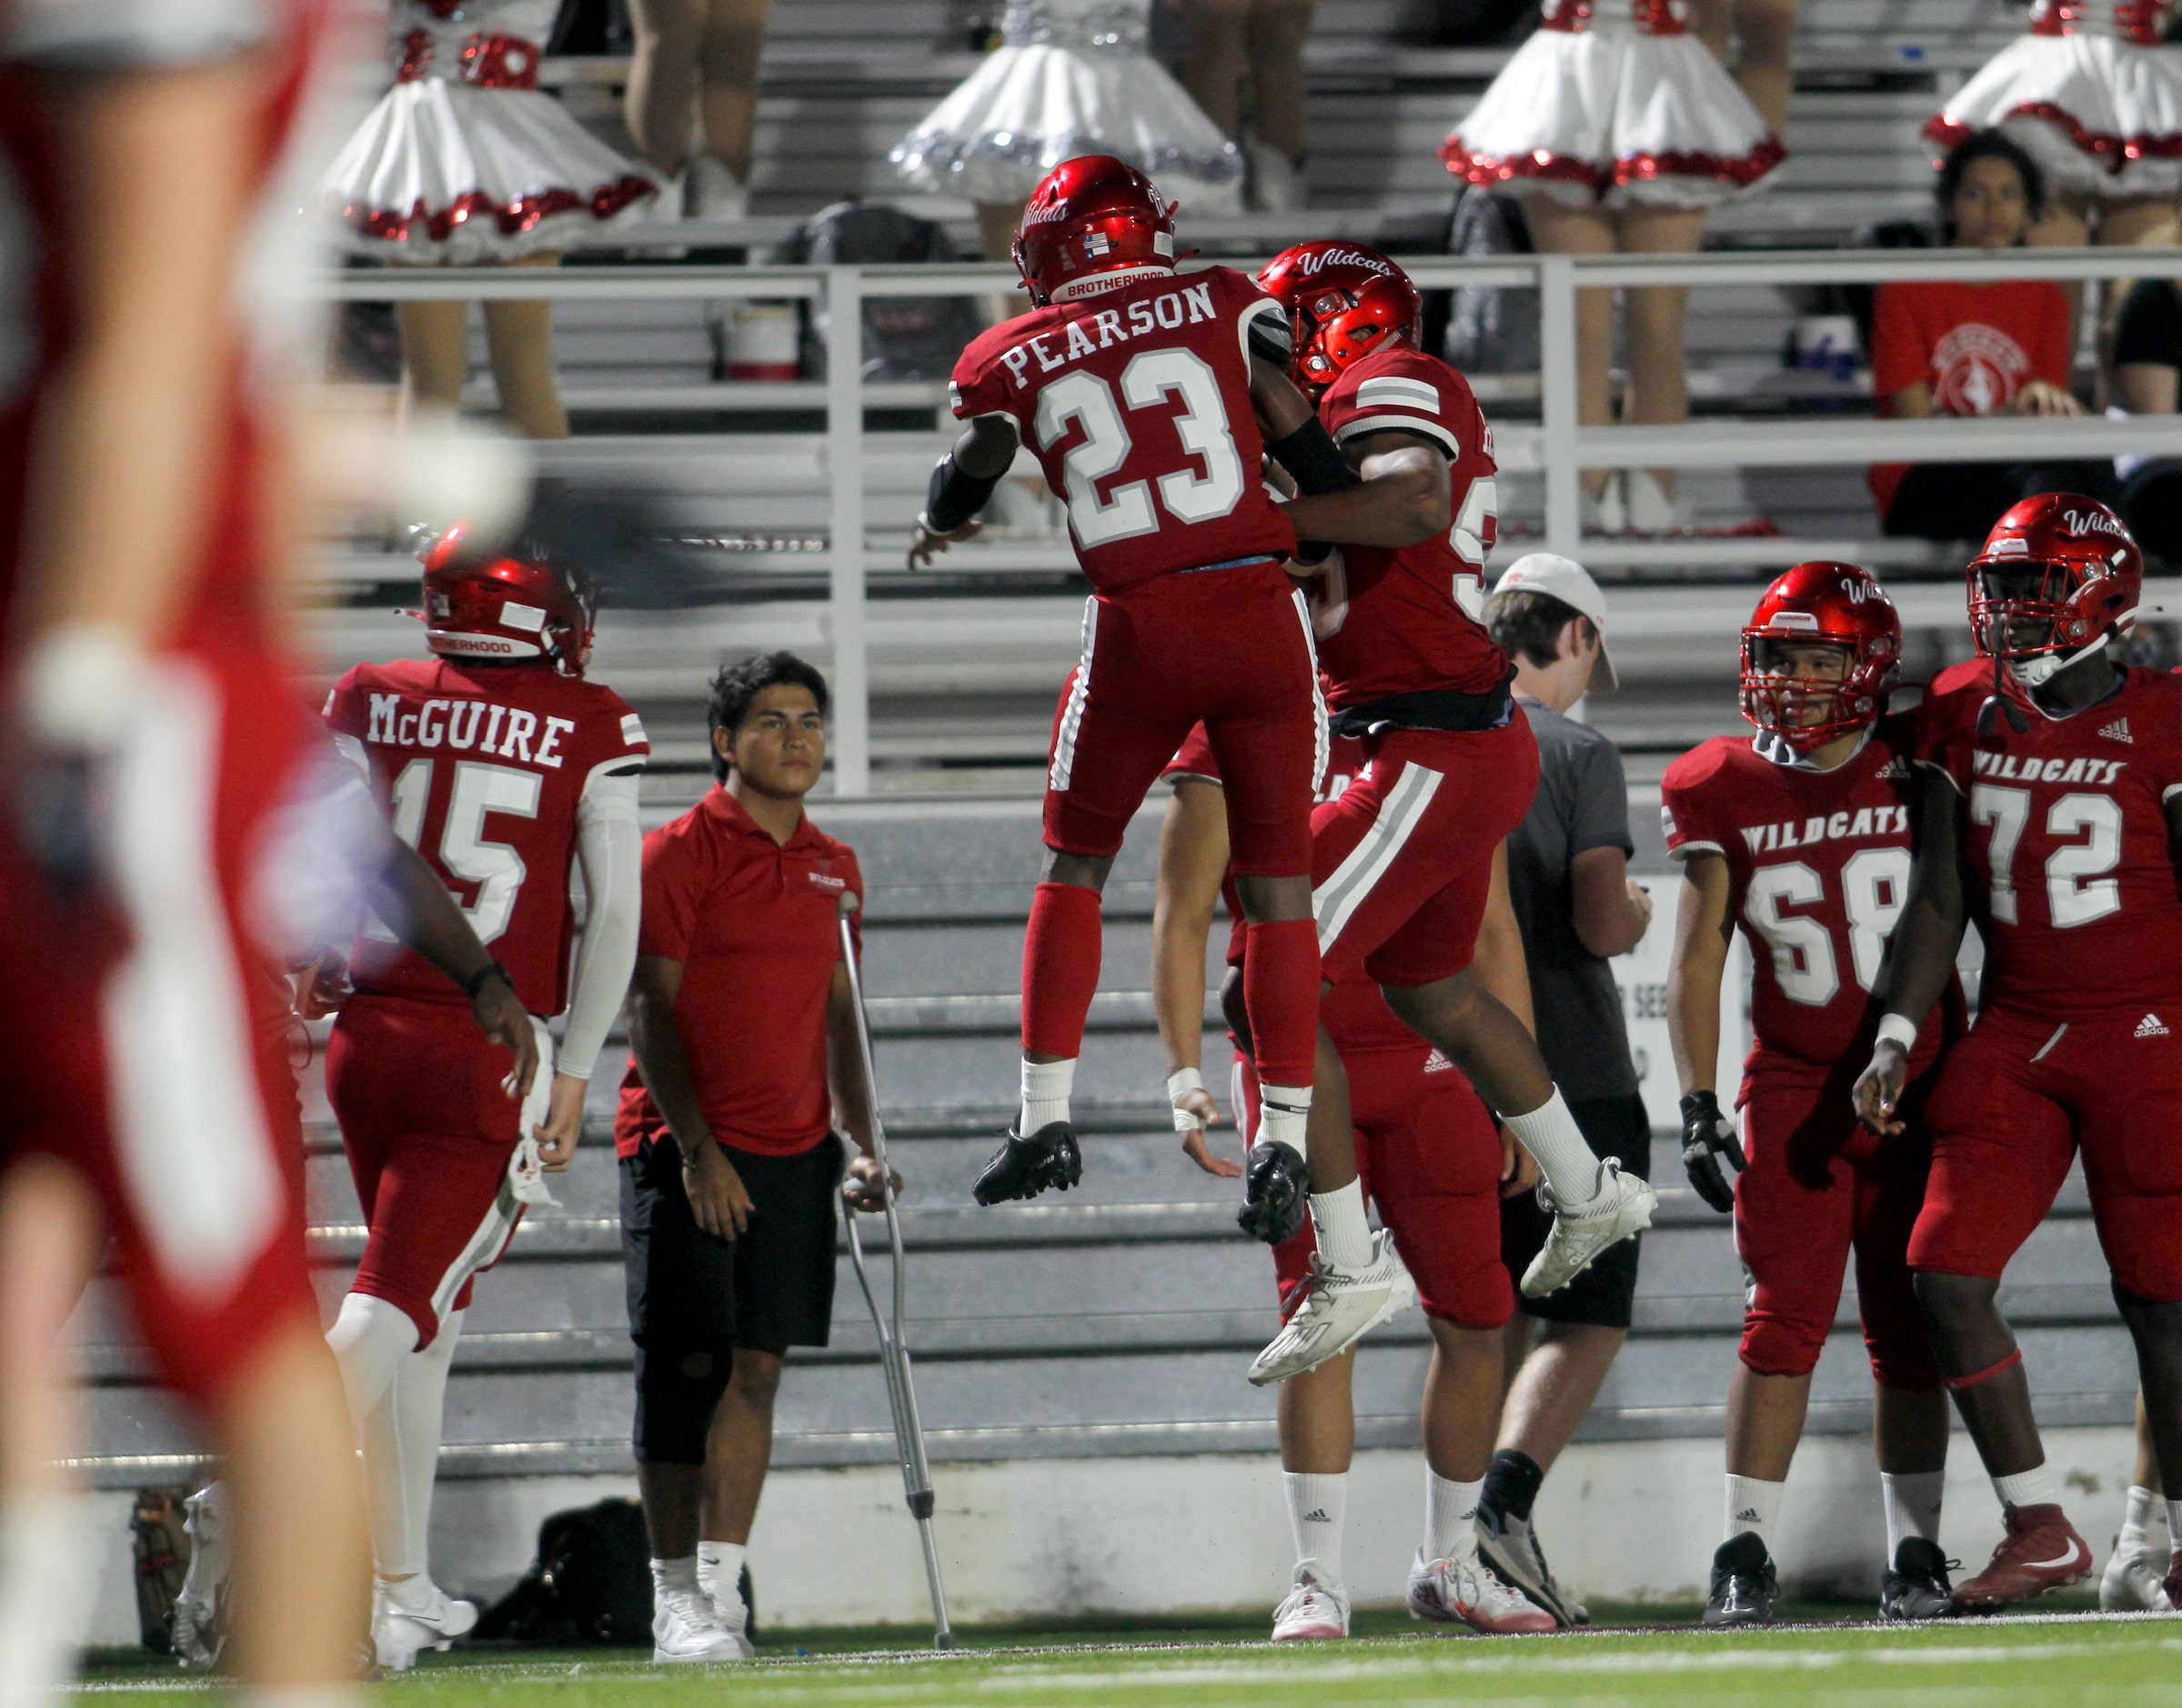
1314 1610
2136 1583
1275 182
1651 509
712 192
1466 1593
1624 1207
1609 512
401 1630
199 1627
685 1626
1339 1308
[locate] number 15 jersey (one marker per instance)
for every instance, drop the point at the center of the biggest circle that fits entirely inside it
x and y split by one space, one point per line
1136 403
2071 867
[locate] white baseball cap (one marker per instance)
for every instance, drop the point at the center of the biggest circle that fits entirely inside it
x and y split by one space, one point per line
1565 579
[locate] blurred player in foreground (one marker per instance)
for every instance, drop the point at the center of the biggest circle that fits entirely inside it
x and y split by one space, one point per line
1802 837
1402 863
1151 400
2051 802
506 770
150 743
1430 1158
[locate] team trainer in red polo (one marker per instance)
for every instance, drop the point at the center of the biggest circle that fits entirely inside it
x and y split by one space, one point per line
743 1055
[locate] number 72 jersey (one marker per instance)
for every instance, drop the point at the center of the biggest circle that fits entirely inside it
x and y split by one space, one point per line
2071 867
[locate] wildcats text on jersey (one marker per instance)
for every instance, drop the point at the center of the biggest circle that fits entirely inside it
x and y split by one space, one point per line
2022 768
1834 826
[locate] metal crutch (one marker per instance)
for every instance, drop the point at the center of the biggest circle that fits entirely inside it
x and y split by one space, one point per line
894 1348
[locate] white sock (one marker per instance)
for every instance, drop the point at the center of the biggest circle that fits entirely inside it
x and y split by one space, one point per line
670 1575
1318 1510
719 1570
1284 1113
2135 1518
419 1408
1550 1133
1343 1235
1046 1088
48 1582
1753 1503
1450 1516
2025 1488
1912 1499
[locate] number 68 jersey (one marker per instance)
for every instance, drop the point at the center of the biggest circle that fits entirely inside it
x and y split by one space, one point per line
2071 867
1818 865
485 771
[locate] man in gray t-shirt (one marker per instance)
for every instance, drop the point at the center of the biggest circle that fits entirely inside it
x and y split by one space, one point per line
1568 876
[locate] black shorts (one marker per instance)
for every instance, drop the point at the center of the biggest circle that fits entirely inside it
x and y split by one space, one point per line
768 1291
1602 1295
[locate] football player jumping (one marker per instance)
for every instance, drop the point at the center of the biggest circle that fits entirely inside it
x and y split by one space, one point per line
504 768
1401 861
1801 836
1150 399
1430 1159
2051 805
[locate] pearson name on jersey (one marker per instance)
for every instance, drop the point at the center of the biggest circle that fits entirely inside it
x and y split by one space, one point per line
481 769
1412 620
1136 403
2075 872
1818 870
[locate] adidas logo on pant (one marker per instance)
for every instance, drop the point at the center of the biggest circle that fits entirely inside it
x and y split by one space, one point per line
2118 730
2150 1026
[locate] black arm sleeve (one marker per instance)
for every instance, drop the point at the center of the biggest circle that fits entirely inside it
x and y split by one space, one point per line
953 497
1315 462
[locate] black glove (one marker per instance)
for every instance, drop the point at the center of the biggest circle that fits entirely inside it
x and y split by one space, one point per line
1708 1140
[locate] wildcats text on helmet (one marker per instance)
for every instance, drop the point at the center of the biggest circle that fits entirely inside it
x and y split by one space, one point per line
1146 316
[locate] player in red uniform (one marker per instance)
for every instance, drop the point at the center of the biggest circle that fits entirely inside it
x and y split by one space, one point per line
1432 1161
149 742
505 769
2052 803
1150 400
1801 837
1402 863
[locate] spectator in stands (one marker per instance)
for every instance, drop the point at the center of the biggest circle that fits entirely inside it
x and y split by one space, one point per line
465 162
1072 77
743 1054
1945 348
1758 33
1576 905
1250 52
1619 131
2148 379
696 60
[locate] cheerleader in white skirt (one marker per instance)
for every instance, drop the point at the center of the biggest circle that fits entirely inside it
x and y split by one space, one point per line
465 162
1071 78
2092 93
1619 131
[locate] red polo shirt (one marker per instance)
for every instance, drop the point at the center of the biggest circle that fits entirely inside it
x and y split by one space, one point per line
754 926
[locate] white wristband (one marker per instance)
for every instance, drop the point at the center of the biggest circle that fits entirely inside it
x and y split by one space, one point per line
1898 1029
1179 1084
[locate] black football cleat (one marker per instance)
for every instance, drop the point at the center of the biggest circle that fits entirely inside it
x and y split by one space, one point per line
1276 1193
1916 1584
1023 1168
1744 1583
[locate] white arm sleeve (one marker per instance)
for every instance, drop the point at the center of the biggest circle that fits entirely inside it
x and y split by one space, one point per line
611 848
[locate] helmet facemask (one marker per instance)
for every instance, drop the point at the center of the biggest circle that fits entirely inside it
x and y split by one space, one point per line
1804 691
2025 616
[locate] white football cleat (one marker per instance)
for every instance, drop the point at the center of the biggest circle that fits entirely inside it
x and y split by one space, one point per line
199 1628
1624 1207
1466 1593
1314 1610
686 1627
1340 1307
423 1617
2136 1583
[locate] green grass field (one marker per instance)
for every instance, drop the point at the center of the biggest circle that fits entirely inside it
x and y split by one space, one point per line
2069 1660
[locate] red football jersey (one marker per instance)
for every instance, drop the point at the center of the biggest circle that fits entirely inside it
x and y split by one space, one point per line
1818 864
480 768
2074 881
1136 404
1401 622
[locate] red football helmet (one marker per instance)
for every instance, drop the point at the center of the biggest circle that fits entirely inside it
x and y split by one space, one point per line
1344 301
1833 604
1093 224
494 606
2060 560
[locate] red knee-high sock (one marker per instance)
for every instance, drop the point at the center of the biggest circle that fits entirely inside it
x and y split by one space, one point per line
1280 993
1061 968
